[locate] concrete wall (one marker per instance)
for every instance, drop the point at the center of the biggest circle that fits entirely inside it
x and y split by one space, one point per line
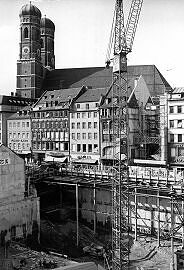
12 176
19 215
147 213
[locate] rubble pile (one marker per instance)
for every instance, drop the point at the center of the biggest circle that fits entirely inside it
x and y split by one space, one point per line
146 255
23 258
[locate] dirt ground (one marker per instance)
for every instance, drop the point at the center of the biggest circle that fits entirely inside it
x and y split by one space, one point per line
145 255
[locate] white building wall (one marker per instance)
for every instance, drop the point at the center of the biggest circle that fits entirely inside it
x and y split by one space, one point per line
84 130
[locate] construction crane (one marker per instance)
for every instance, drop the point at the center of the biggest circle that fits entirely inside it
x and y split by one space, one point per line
120 44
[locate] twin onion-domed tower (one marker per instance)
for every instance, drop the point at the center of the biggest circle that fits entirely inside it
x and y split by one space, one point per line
36 51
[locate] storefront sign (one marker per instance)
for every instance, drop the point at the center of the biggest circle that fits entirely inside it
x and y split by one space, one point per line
154 173
84 157
17 140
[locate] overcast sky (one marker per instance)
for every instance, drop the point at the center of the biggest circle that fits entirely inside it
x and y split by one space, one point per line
82 34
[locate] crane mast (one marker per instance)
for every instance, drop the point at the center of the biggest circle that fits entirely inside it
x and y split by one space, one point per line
121 41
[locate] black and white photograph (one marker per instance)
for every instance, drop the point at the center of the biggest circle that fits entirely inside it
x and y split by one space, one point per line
91 135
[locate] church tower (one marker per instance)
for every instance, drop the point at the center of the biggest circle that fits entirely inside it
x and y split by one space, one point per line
47 43
29 66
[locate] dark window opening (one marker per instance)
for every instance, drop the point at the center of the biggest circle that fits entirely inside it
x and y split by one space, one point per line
78 147
65 146
25 32
42 44
89 147
84 147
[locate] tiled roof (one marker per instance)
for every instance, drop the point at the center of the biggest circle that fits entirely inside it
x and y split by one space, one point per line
100 77
62 94
76 77
58 97
92 95
20 114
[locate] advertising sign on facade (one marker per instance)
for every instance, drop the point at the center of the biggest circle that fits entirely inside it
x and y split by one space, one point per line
4 161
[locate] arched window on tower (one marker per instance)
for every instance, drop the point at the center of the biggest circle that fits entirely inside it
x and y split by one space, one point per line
25 32
42 45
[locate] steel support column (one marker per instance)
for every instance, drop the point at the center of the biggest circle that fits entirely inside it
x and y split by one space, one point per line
158 222
135 214
77 212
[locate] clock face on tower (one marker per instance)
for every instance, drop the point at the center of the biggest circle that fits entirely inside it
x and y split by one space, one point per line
38 52
25 50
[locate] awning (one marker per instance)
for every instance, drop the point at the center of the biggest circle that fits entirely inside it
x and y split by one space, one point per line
85 161
55 154
56 159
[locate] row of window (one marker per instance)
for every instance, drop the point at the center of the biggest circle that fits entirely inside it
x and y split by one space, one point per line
84 114
54 135
85 136
84 125
18 135
50 124
63 113
175 109
86 105
50 146
19 124
84 148
176 123
177 152
178 136
19 146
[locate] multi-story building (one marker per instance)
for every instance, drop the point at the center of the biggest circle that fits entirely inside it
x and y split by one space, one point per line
171 125
85 128
8 106
50 123
140 141
19 133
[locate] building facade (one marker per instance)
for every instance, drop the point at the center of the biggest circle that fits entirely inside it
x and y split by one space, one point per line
19 133
50 123
85 128
171 125
143 130
8 106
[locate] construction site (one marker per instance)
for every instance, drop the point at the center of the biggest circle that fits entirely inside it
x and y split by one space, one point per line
124 212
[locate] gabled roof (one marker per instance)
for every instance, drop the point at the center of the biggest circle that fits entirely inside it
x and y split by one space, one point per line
141 92
3 153
101 77
92 95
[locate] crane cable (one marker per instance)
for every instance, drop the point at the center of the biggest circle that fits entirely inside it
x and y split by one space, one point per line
111 41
